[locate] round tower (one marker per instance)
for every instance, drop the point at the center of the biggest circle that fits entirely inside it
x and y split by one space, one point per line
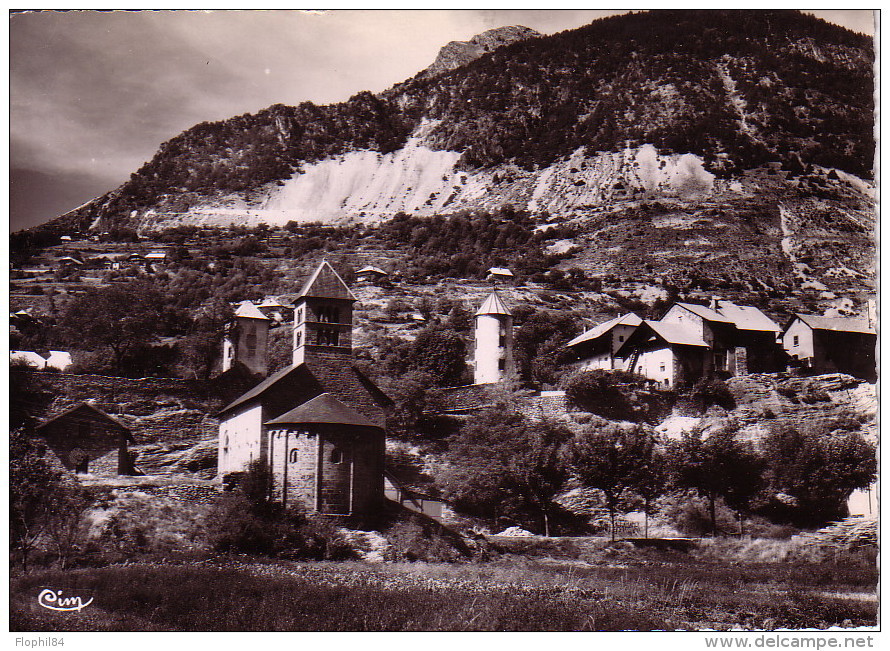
493 356
247 340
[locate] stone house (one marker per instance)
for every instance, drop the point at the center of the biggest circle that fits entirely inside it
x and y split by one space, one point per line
371 274
322 363
596 348
87 440
832 344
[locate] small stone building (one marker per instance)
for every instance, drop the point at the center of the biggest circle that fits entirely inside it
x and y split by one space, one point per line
667 353
327 456
86 440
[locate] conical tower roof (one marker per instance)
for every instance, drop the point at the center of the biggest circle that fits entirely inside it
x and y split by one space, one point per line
493 305
248 310
325 282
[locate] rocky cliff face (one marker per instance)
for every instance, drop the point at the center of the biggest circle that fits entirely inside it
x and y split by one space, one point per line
459 53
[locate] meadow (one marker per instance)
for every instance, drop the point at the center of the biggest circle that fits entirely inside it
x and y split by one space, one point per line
626 589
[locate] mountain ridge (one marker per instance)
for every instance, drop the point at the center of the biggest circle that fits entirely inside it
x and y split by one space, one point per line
734 89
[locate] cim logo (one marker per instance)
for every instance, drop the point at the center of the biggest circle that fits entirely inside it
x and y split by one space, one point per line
53 600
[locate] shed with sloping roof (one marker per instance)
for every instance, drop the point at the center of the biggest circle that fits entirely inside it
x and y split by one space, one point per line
87 440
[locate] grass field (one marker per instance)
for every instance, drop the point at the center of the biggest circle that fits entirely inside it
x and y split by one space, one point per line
511 594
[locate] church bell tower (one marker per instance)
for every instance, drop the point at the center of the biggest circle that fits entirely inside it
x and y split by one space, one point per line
493 356
323 317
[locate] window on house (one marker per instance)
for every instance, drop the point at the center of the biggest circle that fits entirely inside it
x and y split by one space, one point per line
336 455
662 367
620 338
502 364
294 455
796 340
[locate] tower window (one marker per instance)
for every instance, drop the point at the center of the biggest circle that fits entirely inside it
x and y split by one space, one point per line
328 314
502 364
299 339
328 337
250 342
502 339
336 455
294 455
300 315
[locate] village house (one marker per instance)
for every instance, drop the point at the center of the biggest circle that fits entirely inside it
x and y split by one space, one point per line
322 363
692 341
742 339
668 353
832 344
370 274
87 440
596 348
272 308
499 274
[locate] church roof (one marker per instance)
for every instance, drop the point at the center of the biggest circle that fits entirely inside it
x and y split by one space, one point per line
325 282
323 409
248 310
629 319
493 305
296 384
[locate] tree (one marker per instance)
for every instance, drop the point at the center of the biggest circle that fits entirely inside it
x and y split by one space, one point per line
501 464
202 347
817 470
649 479
118 317
609 459
440 353
32 485
718 466
539 345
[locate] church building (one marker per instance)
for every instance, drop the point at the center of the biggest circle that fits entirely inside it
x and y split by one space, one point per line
319 422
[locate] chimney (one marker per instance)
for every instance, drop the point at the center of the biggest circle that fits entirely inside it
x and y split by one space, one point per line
715 303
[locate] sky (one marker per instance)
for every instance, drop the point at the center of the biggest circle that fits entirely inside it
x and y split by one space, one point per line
93 94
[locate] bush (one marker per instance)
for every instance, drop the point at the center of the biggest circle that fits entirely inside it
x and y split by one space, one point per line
709 392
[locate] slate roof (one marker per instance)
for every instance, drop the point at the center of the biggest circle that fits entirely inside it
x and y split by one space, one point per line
500 271
493 305
86 405
369 268
248 310
837 324
629 319
325 282
705 312
317 376
323 409
676 334
746 317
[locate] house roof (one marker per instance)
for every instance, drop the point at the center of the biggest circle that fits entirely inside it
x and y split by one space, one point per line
248 310
33 359
705 312
629 319
323 409
156 255
325 282
493 305
747 318
674 333
88 406
500 271
837 324
369 268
